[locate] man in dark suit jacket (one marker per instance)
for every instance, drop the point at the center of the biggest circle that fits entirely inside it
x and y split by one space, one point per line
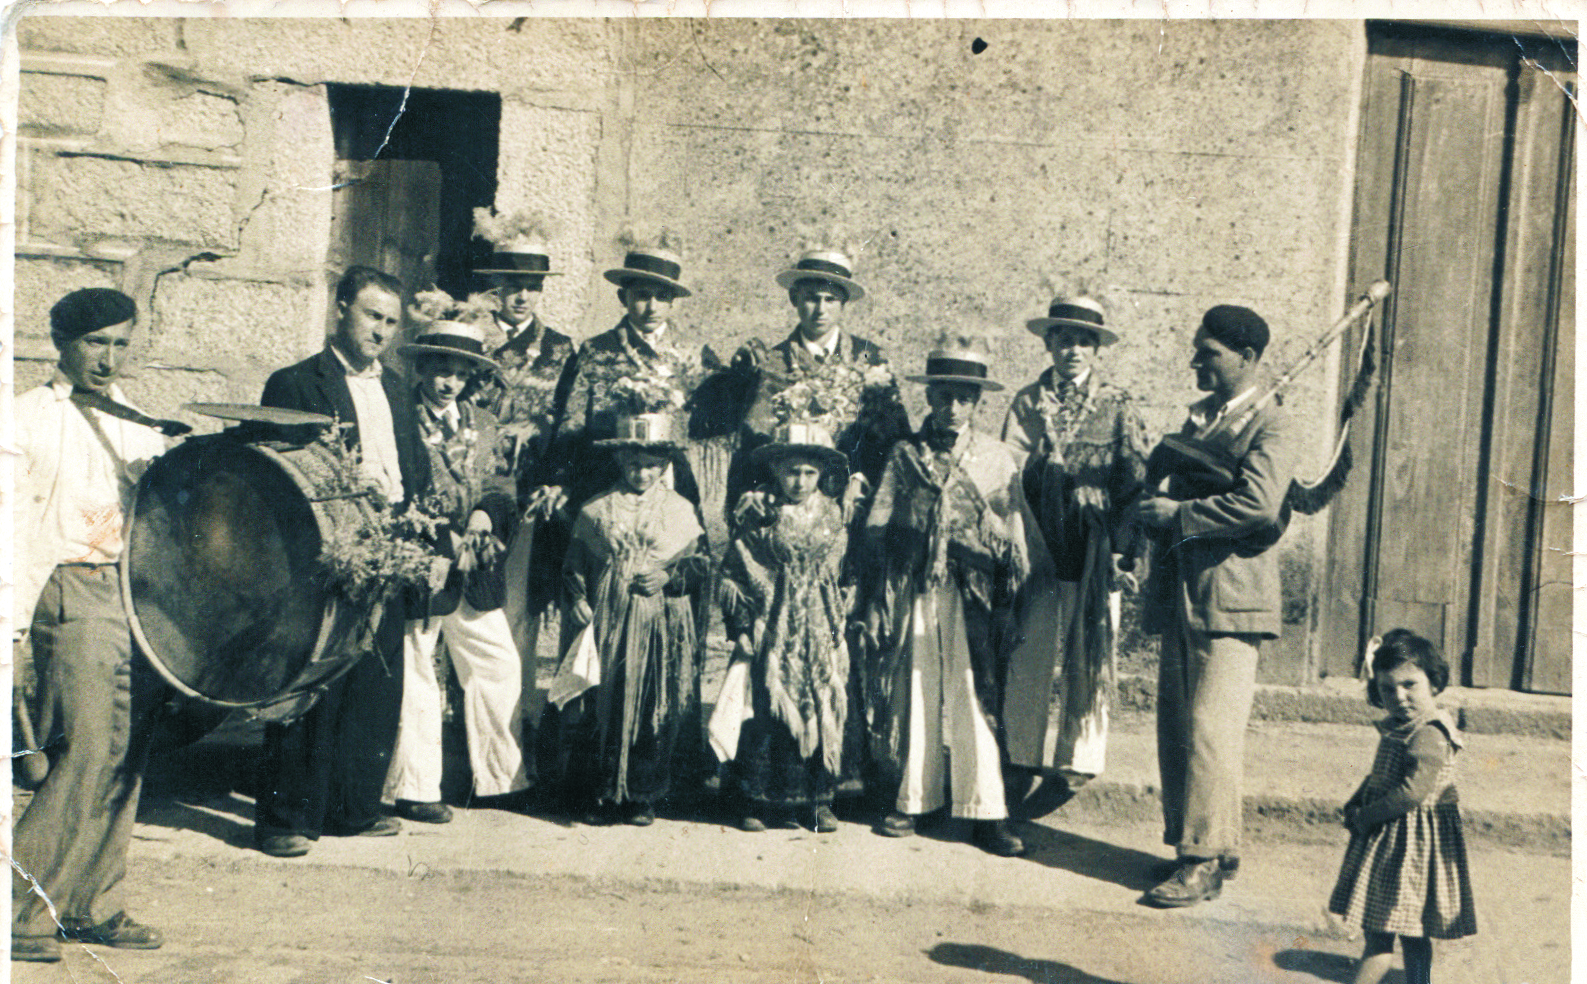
323 773
1214 595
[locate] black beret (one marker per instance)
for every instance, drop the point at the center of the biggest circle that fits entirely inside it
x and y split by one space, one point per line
1237 327
88 310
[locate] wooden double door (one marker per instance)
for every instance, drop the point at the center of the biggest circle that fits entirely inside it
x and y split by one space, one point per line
1456 522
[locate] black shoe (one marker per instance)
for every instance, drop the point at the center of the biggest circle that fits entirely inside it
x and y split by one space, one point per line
824 820
1164 870
118 931
994 837
1195 881
752 824
896 824
640 815
436 812
515 802
280 843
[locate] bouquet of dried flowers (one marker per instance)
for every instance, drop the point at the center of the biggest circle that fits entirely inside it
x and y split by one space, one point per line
664 386
385 550
836 396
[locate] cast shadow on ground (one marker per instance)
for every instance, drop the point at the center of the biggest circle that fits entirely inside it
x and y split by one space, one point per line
1123 866
974 956
1335 967
212 821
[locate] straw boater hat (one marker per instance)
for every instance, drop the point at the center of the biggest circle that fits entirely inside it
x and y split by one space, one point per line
652 432
654 264
804 439
958 360
520 244
451 338
1073 312
827 265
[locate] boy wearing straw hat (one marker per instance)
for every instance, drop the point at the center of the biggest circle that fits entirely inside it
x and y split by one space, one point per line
475 491
821 286
944 549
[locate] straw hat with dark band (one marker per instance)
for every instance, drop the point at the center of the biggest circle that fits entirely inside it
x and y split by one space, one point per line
653 265
804 440
827 266
1074 312
652 432
957 363
524 258
450 338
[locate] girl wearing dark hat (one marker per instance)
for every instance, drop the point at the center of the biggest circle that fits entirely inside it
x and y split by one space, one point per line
785 612
626 692
474 487
943 556
1085 449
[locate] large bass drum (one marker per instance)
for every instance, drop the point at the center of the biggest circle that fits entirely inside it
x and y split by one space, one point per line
222 577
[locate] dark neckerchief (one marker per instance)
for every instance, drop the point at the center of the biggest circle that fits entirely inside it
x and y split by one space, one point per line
939 439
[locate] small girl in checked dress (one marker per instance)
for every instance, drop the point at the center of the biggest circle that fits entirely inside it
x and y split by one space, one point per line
1404 873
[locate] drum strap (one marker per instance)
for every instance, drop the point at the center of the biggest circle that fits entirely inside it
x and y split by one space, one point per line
85 399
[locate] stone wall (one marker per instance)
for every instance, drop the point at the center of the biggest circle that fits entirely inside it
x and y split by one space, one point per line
1168 165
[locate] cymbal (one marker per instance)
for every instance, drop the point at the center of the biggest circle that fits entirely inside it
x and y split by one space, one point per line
252 412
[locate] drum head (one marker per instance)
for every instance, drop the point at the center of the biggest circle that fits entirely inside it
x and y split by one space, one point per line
222 575
252 413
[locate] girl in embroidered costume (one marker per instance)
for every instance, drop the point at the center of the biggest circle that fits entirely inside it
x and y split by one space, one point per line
943 548
785 611
1405 873
1085 461
627 690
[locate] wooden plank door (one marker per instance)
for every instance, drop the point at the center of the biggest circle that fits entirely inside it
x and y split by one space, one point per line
1457 202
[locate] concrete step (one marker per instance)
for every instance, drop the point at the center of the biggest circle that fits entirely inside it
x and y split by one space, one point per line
1514 789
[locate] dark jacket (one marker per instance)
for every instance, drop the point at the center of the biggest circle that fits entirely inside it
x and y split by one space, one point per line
469 472
318 384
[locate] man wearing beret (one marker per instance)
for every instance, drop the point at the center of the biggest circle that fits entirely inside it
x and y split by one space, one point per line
1213 595
82 449
324 773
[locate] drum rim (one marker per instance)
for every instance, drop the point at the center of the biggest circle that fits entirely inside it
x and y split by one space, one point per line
328 617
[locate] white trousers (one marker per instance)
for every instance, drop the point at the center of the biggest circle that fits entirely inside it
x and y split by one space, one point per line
489 668
952 753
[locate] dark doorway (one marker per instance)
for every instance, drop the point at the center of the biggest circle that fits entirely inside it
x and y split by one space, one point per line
1465 197
413 165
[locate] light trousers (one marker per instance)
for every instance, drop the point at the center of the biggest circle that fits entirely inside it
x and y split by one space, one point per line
952 755
490 671
1205 684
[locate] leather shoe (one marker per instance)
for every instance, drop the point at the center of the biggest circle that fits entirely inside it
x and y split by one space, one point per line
436 812
640 815
897 824
118 931
35 949
1195 881
752 824
1164 870
382 827
825 821
994 837
281 844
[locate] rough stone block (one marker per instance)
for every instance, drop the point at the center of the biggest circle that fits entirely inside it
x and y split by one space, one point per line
29 373
546 164
289 227
162 390
41 281
200 120
81 199
229 324
110 36
51 104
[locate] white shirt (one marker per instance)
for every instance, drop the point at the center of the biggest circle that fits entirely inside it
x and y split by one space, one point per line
653 339
71 493
377 434
822 350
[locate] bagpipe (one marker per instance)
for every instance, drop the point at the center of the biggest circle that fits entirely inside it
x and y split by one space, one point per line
1202 466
